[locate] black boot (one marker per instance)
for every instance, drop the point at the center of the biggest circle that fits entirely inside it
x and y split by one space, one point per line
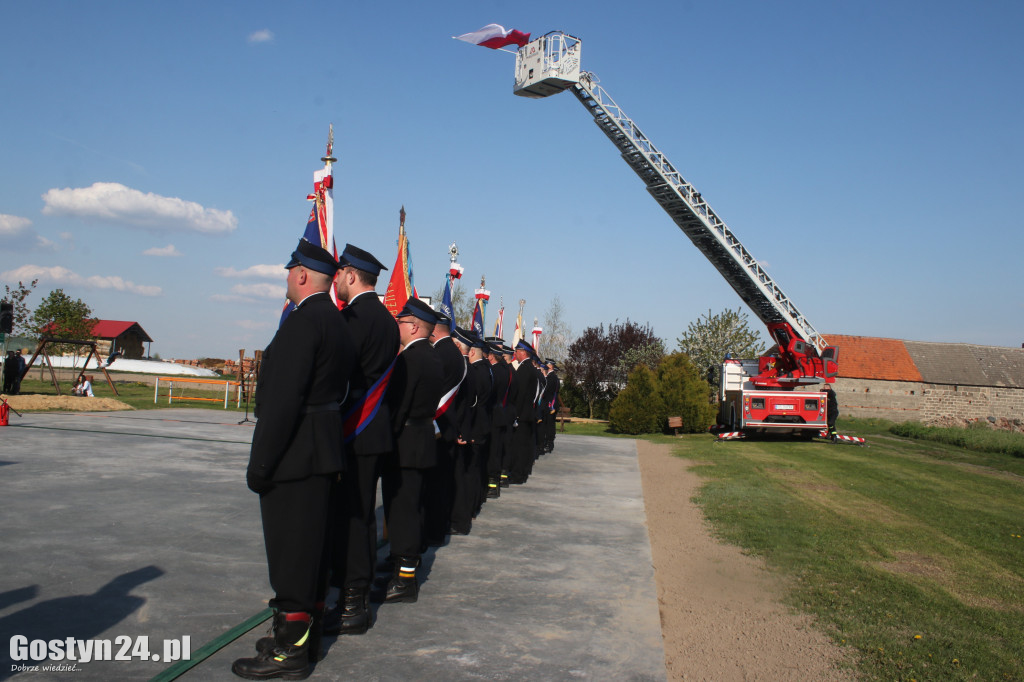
316 635
288 656
352 616
403 586
493 489
504 479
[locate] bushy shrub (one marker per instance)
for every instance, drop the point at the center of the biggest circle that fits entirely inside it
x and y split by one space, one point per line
638 407
684 393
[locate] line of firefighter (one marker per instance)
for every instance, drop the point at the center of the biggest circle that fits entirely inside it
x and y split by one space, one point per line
442 418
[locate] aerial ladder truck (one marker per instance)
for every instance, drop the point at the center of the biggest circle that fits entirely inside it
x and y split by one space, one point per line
775 392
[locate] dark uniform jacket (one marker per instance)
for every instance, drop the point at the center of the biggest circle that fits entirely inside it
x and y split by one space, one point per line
481 429
412 397
461 411
550 391
302 380
524 390
375 333
453 367
502 378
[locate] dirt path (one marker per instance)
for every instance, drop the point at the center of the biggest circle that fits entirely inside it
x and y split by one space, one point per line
721 618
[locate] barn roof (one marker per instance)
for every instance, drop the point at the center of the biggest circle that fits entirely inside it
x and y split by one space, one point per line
868 357
111 329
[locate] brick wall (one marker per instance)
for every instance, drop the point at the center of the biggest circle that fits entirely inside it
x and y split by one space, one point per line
913 401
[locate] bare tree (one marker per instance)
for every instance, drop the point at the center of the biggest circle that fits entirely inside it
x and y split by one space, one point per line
462 303
557 332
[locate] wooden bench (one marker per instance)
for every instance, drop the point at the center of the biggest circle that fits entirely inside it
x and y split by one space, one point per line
564 415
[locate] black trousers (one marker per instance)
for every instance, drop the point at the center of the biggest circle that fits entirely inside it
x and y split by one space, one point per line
507 454
295 533
355 551
549 428
481 455
496 453
401 488
524 449
465 480
438 491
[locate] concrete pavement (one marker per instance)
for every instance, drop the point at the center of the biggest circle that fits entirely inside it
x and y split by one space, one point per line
139 524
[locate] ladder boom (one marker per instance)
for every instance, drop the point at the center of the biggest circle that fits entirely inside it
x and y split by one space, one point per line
693 215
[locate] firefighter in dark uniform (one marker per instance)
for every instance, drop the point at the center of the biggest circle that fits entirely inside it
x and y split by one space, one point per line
438 481
550 400
463 489
539 408
412 398
376 339
499 421
296 456
482 415
524 395
831 410
510 415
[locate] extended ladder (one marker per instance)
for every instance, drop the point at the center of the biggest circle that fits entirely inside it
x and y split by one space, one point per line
692 214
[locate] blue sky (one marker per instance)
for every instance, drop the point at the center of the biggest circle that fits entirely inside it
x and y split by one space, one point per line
156 158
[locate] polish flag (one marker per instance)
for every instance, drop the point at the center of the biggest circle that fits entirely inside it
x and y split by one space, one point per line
494 36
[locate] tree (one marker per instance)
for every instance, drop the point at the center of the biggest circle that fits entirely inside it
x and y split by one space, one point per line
22 314
649 354
60 316
587 365
557 333
638 407
594 358
630 340
684 393
708 339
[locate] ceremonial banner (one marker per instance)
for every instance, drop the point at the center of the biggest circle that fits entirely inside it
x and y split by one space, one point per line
478 318
320 226
517 336
454 272
401 286
499 324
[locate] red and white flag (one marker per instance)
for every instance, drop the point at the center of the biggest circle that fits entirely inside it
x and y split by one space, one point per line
494 36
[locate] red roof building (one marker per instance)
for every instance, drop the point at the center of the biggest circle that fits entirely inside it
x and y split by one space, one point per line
122 336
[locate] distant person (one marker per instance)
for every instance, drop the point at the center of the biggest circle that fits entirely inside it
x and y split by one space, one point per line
10 370
832 410
20 372
83 387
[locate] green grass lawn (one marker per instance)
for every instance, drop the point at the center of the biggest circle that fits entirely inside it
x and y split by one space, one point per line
910 552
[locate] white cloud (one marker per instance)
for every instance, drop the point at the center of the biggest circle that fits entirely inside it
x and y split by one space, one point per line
261 290
257 292
45 244
168 250
275 272
256 325
262 36
12 225
61 275
114 202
